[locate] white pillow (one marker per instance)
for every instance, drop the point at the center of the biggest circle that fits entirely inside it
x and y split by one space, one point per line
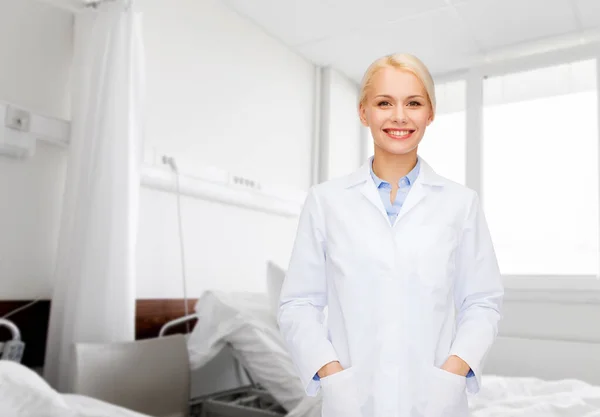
244 321
275 278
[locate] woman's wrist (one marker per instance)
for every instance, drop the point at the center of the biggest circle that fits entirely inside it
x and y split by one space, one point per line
456 365
330 369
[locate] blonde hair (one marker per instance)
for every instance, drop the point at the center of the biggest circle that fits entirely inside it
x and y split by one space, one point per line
404 62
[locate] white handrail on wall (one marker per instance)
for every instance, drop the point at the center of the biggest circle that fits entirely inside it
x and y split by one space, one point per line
267 199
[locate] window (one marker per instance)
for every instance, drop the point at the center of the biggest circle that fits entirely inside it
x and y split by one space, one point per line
540 169
444 144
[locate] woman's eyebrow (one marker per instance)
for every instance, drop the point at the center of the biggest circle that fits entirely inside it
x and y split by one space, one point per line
390 97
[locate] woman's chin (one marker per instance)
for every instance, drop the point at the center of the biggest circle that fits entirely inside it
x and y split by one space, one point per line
400 150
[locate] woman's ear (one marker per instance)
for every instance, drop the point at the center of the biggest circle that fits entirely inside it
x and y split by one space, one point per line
362 113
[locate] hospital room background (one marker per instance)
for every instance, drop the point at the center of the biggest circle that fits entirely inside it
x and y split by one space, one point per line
155 156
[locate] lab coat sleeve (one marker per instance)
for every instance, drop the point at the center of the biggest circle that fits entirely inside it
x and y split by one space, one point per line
304 297
478 294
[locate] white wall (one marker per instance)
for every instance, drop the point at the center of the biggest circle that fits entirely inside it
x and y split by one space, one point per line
220 93
549 334
35 52
342 135
223 93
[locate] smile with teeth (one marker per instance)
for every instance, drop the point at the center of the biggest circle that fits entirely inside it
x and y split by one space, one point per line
400 134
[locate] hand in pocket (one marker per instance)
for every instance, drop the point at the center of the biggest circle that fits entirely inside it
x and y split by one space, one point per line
340 395
447 397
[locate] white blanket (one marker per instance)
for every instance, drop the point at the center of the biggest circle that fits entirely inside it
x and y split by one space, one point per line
532 397
23 393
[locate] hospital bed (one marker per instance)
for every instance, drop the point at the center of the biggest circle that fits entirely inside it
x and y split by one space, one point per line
235 352
246 323
241 327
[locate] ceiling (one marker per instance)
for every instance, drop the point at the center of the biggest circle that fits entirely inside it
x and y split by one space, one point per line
446 34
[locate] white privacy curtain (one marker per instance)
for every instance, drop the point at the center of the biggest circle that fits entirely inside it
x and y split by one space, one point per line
94 280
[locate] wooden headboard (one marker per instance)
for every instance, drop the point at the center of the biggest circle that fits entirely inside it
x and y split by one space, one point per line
151 315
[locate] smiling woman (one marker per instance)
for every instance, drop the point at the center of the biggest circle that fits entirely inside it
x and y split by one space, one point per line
402 259
397 104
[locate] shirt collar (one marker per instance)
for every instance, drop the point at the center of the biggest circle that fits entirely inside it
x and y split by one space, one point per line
411 176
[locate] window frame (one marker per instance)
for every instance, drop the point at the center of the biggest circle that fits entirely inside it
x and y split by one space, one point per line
474 170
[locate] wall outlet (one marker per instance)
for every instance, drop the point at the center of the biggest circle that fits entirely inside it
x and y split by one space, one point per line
17 119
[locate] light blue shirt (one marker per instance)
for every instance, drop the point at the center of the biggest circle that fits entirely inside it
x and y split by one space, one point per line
404 185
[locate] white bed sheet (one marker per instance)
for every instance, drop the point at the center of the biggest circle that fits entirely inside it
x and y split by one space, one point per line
533 397
23 393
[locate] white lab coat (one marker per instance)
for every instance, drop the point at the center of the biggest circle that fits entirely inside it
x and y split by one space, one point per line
400 299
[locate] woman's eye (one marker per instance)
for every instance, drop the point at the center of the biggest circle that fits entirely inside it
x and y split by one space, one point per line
384 104
414 104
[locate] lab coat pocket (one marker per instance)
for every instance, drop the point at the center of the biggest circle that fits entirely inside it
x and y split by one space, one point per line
447 395
340 395
436 246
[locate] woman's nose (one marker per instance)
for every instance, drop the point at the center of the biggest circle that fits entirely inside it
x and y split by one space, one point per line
399 115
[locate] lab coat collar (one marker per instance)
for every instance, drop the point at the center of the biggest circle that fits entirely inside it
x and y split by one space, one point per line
427 176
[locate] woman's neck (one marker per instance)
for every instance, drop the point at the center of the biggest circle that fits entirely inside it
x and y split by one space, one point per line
390 167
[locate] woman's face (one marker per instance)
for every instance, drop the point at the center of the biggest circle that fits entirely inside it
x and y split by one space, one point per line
397 111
